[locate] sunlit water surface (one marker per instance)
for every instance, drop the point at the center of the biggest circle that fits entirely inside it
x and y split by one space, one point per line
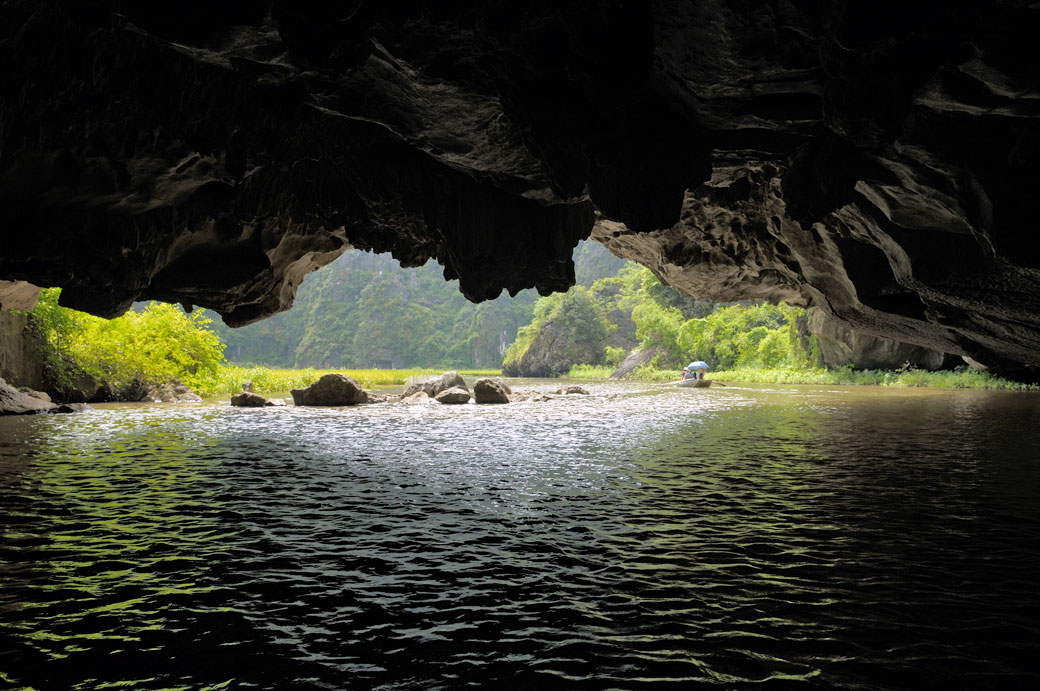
640 537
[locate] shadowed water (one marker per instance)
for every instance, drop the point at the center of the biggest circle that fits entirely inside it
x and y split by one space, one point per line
641 537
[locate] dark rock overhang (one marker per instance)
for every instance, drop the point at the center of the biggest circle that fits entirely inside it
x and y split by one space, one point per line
875 159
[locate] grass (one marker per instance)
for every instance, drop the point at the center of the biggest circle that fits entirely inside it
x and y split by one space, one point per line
268 380
960 378
590 372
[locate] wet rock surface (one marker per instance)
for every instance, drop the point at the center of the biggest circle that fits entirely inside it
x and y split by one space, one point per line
875 160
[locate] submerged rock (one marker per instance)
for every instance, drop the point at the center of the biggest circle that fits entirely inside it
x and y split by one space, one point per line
71 408
248 399
523 396
417 398
572 389
490 391
382 398
331 390
454 395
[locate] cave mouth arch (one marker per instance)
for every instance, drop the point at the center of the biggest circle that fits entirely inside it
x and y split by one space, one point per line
215 156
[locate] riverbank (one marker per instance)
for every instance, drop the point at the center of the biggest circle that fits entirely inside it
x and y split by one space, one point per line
960 378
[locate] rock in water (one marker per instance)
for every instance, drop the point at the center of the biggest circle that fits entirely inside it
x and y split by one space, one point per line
536 396
417 398
572 389
490 391
247 399
71 408
454 395
434 386
14 402
331 389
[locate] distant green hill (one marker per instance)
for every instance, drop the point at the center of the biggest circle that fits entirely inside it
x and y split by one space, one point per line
364 310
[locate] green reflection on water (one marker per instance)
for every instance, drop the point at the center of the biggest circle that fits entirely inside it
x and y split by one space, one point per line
132 512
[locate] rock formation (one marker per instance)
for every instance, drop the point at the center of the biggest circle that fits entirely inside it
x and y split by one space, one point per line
490 391
841 345
20 360
453 396
330 390
28 402
874 159
637 358
248 399
434 385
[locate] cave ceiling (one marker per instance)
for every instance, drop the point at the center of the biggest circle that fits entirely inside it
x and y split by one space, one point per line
877 160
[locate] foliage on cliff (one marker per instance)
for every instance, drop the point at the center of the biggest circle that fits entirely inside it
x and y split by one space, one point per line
639 311
567 328
140 349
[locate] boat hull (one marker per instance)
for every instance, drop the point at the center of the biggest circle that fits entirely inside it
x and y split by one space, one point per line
695 383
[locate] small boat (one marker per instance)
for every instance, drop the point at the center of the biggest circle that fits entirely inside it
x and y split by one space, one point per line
694 383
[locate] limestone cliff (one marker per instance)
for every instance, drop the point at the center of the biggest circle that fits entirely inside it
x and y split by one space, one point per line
874 159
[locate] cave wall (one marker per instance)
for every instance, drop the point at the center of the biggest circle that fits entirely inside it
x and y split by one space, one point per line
876 160
20 361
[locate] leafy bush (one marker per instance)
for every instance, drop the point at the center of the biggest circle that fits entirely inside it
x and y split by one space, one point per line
613 356
55 326
132 352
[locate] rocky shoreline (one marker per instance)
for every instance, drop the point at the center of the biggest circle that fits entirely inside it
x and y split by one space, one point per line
448 388
26 401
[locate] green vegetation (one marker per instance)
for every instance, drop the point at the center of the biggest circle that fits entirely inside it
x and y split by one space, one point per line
959 378
364 310
638 310
590 372
131 353
579 330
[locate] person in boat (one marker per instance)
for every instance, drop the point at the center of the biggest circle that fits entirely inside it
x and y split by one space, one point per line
695 370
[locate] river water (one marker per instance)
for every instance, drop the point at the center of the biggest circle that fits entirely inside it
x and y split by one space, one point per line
642 537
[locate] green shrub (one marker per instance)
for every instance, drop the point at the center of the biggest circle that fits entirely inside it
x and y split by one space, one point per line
613 356
132 352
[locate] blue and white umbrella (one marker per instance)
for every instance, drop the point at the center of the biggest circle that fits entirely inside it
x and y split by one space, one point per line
699 364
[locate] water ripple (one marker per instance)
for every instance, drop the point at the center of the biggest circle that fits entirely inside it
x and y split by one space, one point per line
790 537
